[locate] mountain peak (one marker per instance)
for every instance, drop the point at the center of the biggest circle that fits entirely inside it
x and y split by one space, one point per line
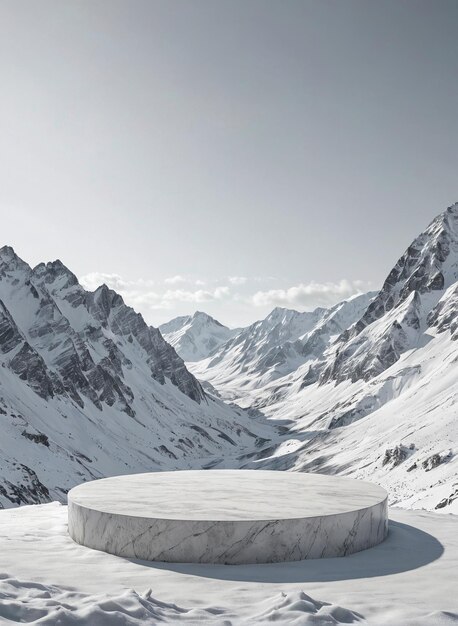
9 258
52 270
448 220
107 298
280 312
7 252
453 208
200 316
195 337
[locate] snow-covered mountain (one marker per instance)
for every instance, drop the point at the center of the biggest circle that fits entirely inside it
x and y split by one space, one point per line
276 346
377 399
88 389
195 337
367 388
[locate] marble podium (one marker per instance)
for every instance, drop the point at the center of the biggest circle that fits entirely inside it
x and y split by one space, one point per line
228 516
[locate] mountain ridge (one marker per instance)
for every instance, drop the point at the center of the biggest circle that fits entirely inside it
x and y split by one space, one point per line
273 347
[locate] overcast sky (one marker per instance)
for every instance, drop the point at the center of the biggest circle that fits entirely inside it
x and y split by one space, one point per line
227 156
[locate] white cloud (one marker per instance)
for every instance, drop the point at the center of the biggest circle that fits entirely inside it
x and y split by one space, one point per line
174 280
94 279
310 295
222 292
115 281
179 295
237 280
200 295
139 293
179 279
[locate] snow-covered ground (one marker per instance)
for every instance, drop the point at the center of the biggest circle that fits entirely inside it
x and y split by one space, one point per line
46 578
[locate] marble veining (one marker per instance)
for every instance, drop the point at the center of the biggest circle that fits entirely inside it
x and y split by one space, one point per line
228 516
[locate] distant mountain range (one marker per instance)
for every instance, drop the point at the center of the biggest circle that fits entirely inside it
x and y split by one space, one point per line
276 346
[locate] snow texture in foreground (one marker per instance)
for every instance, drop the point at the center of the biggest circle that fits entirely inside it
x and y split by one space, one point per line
410 579
25 601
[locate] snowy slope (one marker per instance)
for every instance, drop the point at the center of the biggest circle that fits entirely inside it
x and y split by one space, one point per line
195 337
380 399
400 429
87 389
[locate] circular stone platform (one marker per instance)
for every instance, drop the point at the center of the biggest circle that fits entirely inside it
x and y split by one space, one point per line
228 516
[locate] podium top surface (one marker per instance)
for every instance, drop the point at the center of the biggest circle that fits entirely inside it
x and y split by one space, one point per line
227 495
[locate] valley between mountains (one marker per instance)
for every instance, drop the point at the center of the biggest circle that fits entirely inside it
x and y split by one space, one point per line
367 388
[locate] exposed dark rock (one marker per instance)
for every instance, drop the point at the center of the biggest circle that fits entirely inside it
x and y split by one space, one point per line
166 451
36 437
447 501
29 366
445 315
29 490
435 460
395 456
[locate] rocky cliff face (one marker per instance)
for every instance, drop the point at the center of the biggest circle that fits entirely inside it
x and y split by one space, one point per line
399 314
88 389
71 339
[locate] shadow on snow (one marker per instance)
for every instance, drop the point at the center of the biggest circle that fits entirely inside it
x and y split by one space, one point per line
405 548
